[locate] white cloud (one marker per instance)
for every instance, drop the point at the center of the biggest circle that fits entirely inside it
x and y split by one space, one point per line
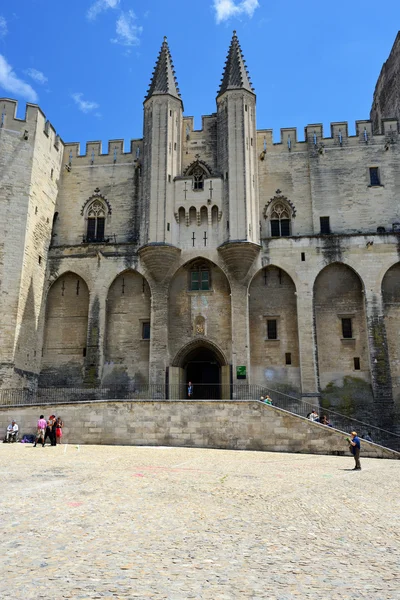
225 9
84 105
127 31
100 6
11 82
36 75
3 27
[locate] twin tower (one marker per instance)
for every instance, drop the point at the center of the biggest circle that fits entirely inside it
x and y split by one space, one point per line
210 174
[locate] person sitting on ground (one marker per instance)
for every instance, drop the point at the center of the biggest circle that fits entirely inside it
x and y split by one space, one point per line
313 415
268 400
325 421
12 431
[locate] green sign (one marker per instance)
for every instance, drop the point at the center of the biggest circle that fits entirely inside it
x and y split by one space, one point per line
240 372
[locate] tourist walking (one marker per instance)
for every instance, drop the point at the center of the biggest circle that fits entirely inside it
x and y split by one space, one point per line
41 430
355 447
59 426
51 430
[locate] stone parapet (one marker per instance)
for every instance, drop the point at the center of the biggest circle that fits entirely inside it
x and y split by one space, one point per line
234 425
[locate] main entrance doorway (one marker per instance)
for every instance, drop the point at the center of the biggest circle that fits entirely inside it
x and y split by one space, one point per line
204 372
203 364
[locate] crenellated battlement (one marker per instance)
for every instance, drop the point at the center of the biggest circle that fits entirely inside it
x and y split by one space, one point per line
94 152
34 121
339 137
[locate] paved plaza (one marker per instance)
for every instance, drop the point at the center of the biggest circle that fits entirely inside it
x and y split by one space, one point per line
172 523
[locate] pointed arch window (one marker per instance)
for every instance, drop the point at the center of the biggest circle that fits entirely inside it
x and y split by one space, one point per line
280 220
198 178
96 219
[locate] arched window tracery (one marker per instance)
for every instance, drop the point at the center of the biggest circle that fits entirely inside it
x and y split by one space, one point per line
96 218
280 220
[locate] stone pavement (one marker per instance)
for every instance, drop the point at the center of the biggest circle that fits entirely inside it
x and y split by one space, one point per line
173 523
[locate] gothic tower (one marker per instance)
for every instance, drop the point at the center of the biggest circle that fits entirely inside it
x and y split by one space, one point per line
162 146
236 118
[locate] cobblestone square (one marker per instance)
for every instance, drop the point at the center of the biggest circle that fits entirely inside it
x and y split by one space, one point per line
86 522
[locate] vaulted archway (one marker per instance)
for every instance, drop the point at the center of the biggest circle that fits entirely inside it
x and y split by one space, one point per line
65 332
391 307
274 345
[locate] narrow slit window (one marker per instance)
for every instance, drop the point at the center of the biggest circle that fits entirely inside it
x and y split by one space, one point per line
357 363
272 329
347 329
288 358
325 225
374 177
146 330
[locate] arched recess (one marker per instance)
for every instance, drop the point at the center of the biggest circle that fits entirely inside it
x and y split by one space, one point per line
391 307
199 289
203 364
341 329
127 346
65 332
274 344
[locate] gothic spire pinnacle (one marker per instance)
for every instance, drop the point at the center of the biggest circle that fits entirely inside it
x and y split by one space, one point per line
163 80
236 75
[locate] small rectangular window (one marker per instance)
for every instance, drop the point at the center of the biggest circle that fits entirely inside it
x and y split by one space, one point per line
205 280
245 107
100 229
169 178
146 330
91 229
357 363
272 330
168 226
325 225
288 358
303 256
84 352
275 230
194 281
39 260
347 328
374 176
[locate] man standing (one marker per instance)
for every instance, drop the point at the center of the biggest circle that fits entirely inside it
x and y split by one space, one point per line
41 430
190 389
355 447
12 431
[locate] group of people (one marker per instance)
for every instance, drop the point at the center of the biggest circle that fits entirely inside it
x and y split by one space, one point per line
50 428
314 416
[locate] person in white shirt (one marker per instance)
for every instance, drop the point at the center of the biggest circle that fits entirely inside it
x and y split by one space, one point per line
313 416
12 431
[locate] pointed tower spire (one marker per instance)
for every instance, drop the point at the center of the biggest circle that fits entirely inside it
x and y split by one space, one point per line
164 80
236 75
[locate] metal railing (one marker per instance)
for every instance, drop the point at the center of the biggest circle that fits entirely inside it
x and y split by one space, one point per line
236 392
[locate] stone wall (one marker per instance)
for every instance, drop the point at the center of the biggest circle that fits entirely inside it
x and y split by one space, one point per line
213 424
386 101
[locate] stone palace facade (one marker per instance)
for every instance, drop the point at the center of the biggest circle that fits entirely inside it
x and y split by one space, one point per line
212 255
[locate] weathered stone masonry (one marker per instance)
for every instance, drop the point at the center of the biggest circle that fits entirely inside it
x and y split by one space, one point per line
198 252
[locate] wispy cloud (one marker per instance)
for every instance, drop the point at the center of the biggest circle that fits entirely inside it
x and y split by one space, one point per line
128 32
225 9
100 6
12 83
3 27
36 75
85 106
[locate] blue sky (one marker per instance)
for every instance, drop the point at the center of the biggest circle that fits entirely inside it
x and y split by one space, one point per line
88 63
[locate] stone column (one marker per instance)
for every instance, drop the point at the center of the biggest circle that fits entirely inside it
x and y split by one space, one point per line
381 379
308 352
95 340
159 358
240 330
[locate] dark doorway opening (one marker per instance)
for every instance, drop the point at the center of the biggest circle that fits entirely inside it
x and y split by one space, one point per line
204 371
